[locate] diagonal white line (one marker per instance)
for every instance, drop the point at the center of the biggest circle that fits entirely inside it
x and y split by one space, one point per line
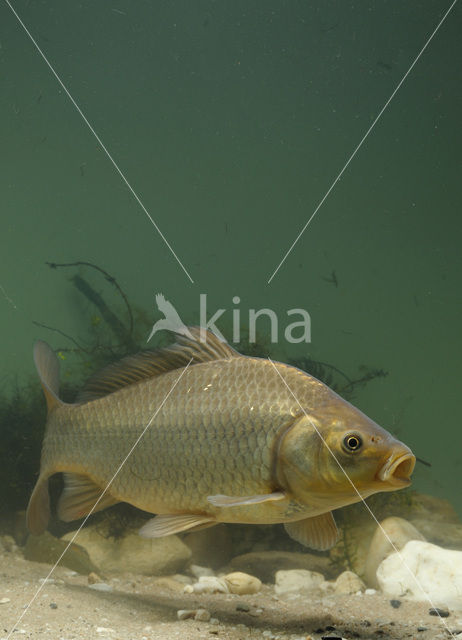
414 577
98 139
97 502
7 297
361 142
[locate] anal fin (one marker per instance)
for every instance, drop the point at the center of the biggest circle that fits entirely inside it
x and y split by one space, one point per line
319 532
166 525
80 496
237 501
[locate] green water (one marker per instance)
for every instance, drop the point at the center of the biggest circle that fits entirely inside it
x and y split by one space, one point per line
231 120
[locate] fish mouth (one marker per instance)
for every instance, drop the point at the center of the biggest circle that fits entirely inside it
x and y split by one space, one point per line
397 470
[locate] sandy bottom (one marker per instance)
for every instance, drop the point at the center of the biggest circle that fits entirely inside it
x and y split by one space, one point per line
138 609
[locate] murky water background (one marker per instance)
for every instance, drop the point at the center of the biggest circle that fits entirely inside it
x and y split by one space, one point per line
230 121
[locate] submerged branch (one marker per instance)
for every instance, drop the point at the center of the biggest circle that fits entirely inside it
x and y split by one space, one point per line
45 326
109 278
113 321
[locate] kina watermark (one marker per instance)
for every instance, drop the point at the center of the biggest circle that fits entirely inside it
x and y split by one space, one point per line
295 329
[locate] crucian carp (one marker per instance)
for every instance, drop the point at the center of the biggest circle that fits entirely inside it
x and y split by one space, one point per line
233 439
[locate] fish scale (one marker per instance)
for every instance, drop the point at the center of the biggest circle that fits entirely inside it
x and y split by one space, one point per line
188 432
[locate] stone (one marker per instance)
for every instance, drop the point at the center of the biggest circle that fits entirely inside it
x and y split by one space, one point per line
46 548
432 509
447 535
438 571
208 584
132 553
202 615
242 583
8 543
169 583
93 578
441 613
184 614
348 583
298 581
399 531
210 547
265 564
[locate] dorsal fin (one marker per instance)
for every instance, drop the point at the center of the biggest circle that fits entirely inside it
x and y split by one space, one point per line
204 346
47 365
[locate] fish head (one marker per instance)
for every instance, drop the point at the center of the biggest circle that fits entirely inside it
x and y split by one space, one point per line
336 455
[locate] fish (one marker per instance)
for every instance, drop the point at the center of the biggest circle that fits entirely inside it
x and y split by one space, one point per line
227 438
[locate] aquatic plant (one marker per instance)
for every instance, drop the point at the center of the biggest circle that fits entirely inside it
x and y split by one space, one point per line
335 378
355 524
22 423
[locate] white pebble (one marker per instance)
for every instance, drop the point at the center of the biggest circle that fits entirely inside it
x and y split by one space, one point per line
210 584
298 582
104 630
370 592
348 583
4 600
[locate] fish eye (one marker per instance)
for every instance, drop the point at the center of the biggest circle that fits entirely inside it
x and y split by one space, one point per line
352 442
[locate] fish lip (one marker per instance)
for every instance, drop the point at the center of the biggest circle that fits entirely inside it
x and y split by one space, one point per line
397 470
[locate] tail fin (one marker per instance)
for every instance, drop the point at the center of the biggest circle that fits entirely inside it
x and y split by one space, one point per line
38 510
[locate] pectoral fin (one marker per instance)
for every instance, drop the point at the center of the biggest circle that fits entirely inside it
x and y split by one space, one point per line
319 533
80 496
233 501
166 525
